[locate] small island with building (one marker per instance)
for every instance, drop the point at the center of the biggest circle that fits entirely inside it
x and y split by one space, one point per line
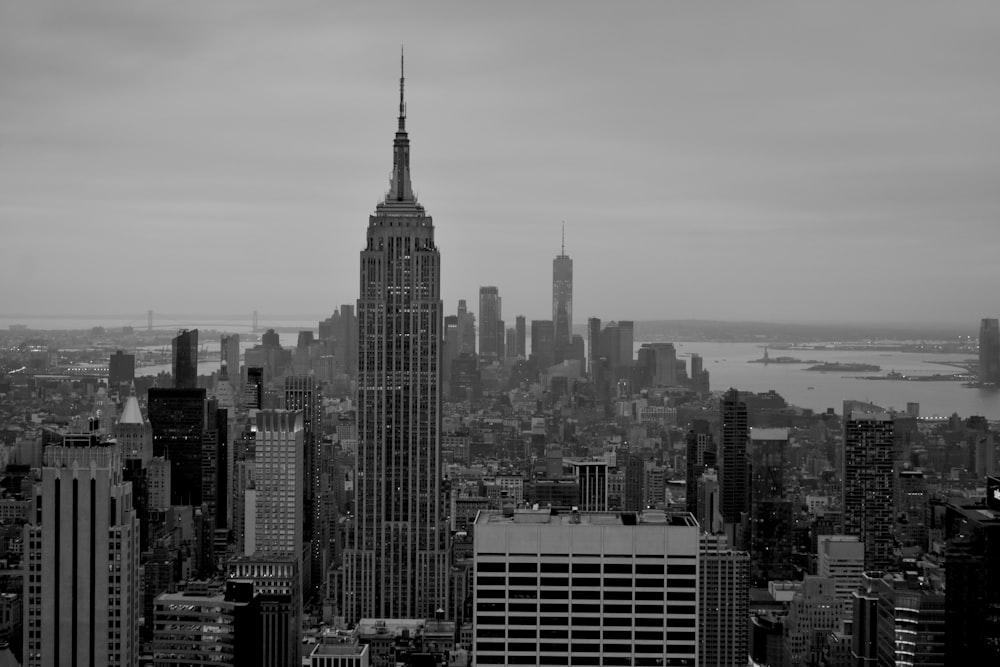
766 359
845 367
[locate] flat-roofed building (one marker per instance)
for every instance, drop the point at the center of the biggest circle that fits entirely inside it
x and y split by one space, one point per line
339 655
586 588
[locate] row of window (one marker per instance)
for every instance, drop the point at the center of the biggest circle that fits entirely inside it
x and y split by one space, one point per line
594 582
576 648
609 660
535 633
583 608
609 621
589 568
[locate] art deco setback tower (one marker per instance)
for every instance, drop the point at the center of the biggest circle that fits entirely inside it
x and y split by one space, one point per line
562 300
397 566
81 602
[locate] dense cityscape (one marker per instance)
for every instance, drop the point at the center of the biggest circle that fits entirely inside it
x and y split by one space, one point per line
474 460
403 485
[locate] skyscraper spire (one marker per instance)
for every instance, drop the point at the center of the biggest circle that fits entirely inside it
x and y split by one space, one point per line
563 251
402 103
400 189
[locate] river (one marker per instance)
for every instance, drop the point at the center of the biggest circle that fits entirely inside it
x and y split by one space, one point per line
728 365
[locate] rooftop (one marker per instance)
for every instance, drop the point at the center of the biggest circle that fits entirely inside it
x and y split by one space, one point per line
339 649
647 517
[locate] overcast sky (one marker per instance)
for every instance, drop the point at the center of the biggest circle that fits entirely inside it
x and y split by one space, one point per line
763 161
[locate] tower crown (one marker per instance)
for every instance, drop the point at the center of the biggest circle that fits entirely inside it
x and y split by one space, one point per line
400 189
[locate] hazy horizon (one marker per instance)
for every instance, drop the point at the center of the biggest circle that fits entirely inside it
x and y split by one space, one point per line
771 163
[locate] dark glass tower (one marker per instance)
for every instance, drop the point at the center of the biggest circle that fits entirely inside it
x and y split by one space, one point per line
733 468
397 566
185 357
301 393
177 418
770 509
989 351
121 369
868 481
972 594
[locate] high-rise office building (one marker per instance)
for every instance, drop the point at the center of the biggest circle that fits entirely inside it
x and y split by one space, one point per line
229 349
279 482
135 439
562 301
724 604
593 345
699 376
972 591
133 432
626 346
521 337
770 509
253 389
733 473
656 366
867 478
177 418
121 369
911 509
398 564
490 313
451 348
501 340
911 622
700 454
185 359
585 588
81 584
466 329
841 558
542 341
989 351
301 393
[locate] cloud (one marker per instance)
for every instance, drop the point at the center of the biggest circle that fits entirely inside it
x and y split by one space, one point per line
686 146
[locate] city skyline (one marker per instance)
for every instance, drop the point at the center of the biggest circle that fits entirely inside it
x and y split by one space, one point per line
839 159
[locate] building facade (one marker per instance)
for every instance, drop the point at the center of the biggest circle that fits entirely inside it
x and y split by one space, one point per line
490 315
562 302
733 464
770 509
301 393
867 476
185 359
397 565
81 590
724 604
279 482
989 351
585 588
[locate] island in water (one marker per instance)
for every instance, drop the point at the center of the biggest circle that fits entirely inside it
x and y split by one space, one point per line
848 368
766 359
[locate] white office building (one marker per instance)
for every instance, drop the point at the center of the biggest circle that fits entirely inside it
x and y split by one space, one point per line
586 588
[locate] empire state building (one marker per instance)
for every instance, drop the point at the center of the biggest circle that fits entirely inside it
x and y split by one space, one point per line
397 565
